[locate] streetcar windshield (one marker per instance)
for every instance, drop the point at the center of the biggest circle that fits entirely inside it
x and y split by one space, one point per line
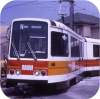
29 37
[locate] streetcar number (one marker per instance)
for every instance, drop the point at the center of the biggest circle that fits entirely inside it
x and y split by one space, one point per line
27 67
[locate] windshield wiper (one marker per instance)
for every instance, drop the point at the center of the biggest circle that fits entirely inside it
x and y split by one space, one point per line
16 52
31 50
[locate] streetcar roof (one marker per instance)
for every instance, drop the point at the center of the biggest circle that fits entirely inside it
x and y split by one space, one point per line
92 40
30 19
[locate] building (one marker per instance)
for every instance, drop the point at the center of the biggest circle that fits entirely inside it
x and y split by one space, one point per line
3 45
85 25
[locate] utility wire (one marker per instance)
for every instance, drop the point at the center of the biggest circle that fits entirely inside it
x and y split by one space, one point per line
25 4
51 9
31 9
44 11
18 5
54 10
36 10
47 7
85 9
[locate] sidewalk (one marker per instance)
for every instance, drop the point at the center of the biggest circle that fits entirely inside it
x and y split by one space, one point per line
85 89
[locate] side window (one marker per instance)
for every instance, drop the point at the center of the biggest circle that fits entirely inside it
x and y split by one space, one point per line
59 44
96 50
78 31
81 49
75 47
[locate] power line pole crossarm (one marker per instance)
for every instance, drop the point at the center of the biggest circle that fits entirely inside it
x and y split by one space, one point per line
71 13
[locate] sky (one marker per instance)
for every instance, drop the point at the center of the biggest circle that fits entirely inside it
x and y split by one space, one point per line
43 9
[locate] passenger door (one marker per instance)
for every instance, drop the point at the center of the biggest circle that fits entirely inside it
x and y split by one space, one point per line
81 59
77 57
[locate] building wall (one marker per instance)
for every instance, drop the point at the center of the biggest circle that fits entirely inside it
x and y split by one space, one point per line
86 30
3 29
80 29
95 33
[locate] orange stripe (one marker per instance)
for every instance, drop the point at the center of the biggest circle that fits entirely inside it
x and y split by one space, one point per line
13 67
40 68
58 67
61 67
58 71
58 64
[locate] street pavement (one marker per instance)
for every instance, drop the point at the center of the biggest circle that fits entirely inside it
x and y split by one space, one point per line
84 89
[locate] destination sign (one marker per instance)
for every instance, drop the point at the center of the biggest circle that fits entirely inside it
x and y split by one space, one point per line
38 27
30 26
23 26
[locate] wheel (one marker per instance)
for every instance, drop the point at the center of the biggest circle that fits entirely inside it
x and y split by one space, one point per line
16 89
52 88
31 90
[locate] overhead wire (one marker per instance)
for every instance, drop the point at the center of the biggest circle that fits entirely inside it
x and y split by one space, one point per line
19 4
26 4
34 8
85 9
46 7
44 11
54 11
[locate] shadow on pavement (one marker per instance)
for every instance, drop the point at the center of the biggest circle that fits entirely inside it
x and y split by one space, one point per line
38 92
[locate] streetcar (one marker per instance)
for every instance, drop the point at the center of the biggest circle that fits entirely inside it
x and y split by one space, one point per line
92 56
47 52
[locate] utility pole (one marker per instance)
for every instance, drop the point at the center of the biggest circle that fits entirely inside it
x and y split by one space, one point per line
71 12
72 15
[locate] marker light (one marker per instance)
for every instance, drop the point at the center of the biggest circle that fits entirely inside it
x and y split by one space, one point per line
11 71
43 73
17 72
36 72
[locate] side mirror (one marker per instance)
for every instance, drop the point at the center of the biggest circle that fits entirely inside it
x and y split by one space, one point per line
7 36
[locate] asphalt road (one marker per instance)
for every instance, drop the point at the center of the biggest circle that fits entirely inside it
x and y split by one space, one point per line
84 89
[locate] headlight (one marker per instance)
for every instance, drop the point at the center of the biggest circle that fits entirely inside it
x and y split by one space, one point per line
43 73
11 71
36 72
17 72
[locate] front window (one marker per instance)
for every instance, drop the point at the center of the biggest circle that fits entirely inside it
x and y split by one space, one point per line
59 44
29 38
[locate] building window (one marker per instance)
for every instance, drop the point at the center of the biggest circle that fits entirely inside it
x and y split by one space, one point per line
78 30
96 50
59 44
